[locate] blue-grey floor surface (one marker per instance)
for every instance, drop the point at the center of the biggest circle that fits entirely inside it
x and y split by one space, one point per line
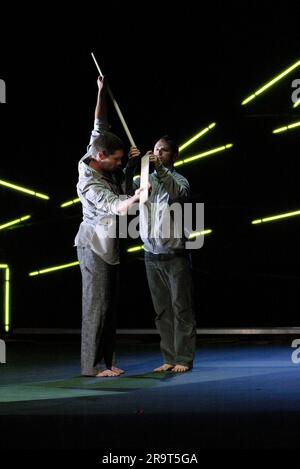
243 393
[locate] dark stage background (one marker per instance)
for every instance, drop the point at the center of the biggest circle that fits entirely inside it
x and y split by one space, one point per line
173 69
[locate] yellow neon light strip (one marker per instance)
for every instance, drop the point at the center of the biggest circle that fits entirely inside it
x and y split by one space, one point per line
6 297
53 269
14 222
136 248
271 83
202 155
70 202
197 136
7 305
23 189
296 104
276 217
195 234
285 128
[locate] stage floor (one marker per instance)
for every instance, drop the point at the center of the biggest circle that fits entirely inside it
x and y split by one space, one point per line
244 392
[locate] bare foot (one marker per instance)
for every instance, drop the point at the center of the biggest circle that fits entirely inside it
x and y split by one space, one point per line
117 370
107 374
164 367
180 369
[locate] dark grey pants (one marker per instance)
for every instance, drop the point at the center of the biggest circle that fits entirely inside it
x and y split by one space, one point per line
99 300
171 288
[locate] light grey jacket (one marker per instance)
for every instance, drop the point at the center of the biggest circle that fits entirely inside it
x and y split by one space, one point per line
99 195
168 187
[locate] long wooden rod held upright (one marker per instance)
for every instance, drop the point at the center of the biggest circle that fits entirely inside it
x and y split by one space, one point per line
116 107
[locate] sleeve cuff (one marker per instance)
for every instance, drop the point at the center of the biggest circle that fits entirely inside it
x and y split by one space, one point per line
100 126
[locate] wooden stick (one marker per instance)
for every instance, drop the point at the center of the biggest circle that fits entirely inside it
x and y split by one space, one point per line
116 107
96 63
144 181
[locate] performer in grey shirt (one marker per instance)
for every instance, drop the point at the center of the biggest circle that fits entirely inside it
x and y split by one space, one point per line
167 261
101 182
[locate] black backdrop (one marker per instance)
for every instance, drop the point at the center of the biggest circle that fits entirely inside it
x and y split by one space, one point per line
173 70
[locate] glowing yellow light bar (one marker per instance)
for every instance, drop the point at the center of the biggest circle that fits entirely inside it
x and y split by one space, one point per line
296 103
6 297
22 189
276 217
193 139
202 155
52 269
195 234
70 202
7 310
14 222
271 83
287 127
247 100
136 248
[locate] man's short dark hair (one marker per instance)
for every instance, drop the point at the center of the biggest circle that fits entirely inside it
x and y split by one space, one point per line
173 145
108 143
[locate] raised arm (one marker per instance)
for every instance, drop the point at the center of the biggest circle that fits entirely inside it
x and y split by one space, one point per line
101 109
101 122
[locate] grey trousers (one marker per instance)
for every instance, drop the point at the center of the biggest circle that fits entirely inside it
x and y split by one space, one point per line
99 301
171 288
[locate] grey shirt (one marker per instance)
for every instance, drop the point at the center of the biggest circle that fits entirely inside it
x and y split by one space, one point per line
168 187
99 194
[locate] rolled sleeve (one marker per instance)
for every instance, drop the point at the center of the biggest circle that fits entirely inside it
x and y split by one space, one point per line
100 128
176 185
